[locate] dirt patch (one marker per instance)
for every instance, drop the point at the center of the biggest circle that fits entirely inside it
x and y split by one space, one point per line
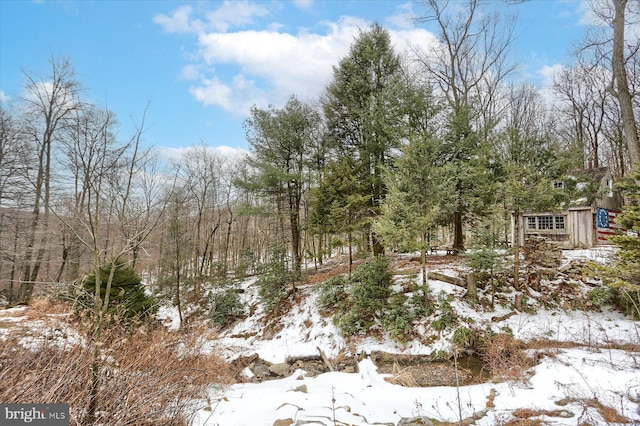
422 371
330 269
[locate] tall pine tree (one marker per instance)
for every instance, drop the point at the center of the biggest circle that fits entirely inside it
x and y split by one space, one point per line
280 141
365 111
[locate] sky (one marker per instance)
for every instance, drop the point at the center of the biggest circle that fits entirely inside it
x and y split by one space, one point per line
198 66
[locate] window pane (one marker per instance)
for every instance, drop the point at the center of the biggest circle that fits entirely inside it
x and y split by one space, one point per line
559 222
531 223
545 222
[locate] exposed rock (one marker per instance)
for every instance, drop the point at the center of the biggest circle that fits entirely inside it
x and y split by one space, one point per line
261 371
283 422
281 369
301 388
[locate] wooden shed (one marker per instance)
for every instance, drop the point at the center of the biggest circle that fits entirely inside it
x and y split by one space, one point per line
578 226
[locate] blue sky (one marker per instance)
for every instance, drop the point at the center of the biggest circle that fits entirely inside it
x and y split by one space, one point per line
200 65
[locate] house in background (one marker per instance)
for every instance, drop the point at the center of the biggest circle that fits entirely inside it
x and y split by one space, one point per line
584 223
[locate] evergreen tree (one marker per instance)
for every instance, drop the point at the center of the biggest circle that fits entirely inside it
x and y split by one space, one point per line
624 277
411 208
340 201
528 162
127 298
467 173
468 66
280 140
365 111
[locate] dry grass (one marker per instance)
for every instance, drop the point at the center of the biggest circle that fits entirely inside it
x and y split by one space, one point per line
47 306
505 357
402 376
609 414
525 422
154 377
526 413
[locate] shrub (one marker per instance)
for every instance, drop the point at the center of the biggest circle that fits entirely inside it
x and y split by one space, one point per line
448 317
466 338
332 293
624 277
602 296
627 297
274 279
505 357
619 294
398 321
246 264
369 291
127 298
226 307
422 302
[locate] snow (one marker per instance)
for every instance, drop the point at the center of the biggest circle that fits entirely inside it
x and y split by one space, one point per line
565 381
366 398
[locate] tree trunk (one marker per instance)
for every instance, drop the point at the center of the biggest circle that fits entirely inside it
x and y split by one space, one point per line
458 237
295 240
423 259
620 85
472 291
516 250
376 245
447 279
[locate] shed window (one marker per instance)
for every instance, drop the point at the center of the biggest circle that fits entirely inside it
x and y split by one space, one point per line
546 223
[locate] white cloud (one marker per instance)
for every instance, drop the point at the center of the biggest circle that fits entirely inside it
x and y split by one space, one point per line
235 69
238 96
4 97
282 63
191 72
44 91
179 21
235 14
548 73
303 4
230 14
404 18
226 152
586 15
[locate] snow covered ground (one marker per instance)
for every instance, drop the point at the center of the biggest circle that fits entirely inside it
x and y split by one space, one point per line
568 386
565 384
594 381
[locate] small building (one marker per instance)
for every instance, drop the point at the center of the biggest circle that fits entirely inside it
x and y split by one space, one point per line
582 224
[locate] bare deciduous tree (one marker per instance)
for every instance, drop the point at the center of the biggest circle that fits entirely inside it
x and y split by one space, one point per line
49 102
616 49
467 65
620 83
